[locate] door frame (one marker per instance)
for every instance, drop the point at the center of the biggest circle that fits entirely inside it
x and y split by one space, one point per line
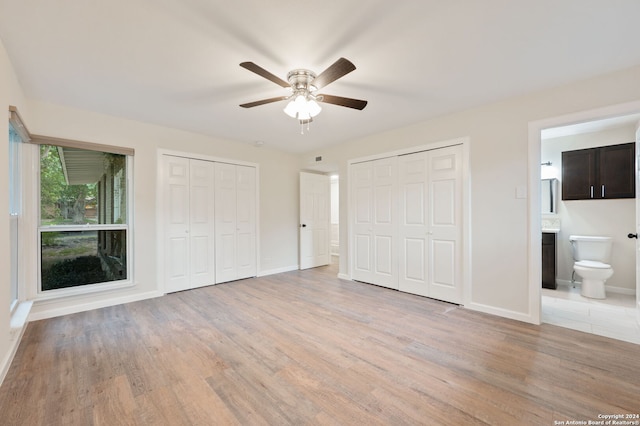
466 272
160 216
534 218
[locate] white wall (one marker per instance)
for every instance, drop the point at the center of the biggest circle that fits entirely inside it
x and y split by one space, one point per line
614 218
499 164
278 193
10 94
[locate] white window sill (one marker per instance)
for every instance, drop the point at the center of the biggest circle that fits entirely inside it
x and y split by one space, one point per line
83 290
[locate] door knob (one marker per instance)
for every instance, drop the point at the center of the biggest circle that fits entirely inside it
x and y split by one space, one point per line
304 225
632 236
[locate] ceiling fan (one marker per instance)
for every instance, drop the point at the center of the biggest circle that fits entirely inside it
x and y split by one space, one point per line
303 101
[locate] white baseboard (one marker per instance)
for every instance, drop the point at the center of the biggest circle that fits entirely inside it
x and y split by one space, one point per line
344 277
278 270
506 313
41 311
611 289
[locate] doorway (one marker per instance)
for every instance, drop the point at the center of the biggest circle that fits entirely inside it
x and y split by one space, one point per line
617 315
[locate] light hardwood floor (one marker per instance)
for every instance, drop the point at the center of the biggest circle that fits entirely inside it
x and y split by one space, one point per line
307 348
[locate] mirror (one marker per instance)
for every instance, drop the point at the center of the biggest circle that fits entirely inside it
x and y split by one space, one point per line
548 195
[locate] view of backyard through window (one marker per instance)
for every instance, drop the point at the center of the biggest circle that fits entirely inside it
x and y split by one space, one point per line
83 217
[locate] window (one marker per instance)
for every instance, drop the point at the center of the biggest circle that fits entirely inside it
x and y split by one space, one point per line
84 224
15 207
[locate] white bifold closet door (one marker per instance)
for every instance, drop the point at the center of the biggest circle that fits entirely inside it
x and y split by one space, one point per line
374 204
407 223
189 223
429 227
235 221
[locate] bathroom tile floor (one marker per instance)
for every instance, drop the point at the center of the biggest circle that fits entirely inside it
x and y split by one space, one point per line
614 317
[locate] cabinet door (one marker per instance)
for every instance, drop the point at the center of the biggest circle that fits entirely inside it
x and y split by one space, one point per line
617 177
578 174
549 260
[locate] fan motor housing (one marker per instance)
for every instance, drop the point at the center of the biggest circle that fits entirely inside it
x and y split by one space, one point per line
301 79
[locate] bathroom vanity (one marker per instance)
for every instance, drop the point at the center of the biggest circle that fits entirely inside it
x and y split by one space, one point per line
549 260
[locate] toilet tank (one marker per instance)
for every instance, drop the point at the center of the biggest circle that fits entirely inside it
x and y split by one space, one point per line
587 247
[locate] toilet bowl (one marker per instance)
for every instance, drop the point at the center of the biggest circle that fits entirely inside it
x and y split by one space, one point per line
591 256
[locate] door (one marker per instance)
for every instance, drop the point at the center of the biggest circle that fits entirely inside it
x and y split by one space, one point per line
429 228
637 176
246 265
373 198
235 217
176 199
189 244
315 209
445 224
201 224
413 229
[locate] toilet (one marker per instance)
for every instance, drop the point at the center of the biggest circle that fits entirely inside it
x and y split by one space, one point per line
591 262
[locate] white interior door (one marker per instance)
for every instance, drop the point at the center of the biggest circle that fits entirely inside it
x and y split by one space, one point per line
445 224
225 207
246 265
315 210
407 223
374 230
176 209
429 227
637 225
413 227
201 223
235 217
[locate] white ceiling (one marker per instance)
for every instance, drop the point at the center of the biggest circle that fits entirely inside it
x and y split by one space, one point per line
175 62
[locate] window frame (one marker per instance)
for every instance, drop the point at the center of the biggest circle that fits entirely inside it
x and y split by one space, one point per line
127 226
15 208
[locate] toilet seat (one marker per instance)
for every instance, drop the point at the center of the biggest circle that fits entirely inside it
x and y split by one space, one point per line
592 264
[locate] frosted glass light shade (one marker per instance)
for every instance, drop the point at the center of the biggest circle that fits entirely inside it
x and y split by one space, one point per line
302 109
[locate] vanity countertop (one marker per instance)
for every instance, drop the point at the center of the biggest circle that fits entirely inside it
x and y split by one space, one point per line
551 225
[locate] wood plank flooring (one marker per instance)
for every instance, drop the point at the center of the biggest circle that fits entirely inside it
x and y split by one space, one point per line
305 348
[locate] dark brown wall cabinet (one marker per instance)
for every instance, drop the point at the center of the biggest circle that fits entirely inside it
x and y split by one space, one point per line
599 173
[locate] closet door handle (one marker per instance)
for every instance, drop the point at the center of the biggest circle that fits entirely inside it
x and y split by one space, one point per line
591 191
602 192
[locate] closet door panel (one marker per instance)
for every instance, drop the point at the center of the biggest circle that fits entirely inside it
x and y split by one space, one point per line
384 228
176 219
235 222
225 222
246 221
412 226
445 215
362 207
201 223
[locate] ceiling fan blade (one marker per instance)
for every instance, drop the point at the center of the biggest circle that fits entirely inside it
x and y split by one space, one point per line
338 69
345 102
264 73
264 101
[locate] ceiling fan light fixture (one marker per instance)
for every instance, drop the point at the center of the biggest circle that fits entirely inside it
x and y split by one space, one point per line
302 108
